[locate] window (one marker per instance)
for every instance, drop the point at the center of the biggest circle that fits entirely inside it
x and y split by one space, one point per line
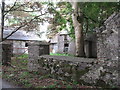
66 49
26 44
66 45
65 37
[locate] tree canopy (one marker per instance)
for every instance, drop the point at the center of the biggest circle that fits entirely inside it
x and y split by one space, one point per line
94 14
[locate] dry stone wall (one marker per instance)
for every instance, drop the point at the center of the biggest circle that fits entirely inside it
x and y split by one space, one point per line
6 53
107 70
36 49
107 43
103 73
84 71
64 67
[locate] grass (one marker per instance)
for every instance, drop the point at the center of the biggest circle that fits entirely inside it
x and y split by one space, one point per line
22 56
60 54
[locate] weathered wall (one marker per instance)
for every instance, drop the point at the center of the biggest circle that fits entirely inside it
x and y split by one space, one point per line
7 53
85 71
36 49
103 73
58 44
106 71
19 47
0 53
54 44
64 67
71 49
107 43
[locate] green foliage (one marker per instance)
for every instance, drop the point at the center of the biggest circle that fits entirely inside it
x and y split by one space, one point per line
68 86
23 56
36 73
75 82
59 54
95 13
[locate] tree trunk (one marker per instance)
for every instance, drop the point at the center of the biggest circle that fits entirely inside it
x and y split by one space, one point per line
1 30
2 21
79 39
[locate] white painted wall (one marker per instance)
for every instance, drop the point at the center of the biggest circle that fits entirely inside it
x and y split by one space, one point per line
19 47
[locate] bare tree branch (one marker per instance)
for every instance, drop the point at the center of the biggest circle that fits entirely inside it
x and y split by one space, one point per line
13 32
24 10
13 9
10 8
36 17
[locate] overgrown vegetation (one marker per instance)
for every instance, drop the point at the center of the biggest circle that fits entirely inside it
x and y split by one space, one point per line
18 74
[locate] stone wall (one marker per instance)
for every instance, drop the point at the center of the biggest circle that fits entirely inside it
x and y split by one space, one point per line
0 53
64 67
84 71
104 73
7 53
57 43
107 43
19 47
36 49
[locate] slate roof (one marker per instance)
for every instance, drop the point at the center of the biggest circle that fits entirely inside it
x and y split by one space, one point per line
20 35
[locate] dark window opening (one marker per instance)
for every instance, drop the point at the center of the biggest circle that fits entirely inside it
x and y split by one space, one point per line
26 44
66 49
66 45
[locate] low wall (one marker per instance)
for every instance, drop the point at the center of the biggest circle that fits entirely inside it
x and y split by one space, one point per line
7 53
104 73
64 67
82 70
36 49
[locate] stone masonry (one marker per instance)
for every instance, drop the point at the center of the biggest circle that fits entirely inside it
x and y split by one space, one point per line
36 49
65 67
6 53
107 52
107 43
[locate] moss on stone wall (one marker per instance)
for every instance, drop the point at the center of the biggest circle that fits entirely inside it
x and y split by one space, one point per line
63 69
